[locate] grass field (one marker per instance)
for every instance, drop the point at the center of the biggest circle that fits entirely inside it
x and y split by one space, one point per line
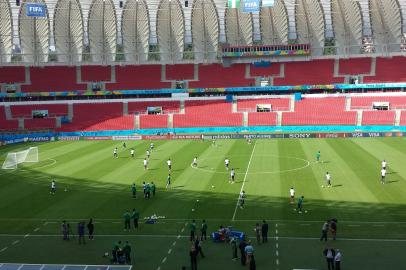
371 216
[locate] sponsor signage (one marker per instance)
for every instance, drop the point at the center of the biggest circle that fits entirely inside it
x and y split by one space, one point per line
69 138
97 138
250 6
156 137
127 138
186 137
36 10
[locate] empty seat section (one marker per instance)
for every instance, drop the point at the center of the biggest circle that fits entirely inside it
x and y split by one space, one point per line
98 116
310 72
354 66
272 70
215 75
141 107
262 119
180 72
403 118
53 79
207 120
138 77
95 73
388 70
154 121
8 124
38 123
378 118
319 111
207 107
395 102
12 74
26 110
278 104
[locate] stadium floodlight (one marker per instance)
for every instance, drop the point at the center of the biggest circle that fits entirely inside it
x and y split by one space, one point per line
15 158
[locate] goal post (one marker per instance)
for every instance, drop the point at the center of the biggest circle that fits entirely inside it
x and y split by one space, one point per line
15 158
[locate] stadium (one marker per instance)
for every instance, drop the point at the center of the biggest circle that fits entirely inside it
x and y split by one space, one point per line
210 134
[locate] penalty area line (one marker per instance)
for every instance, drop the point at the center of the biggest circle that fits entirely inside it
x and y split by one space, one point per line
243 182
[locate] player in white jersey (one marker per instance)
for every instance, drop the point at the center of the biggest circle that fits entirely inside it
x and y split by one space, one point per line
132 151
292 195
328 180
169 162
384 164
148 154
194 163
383 175
227 163
53 187
241 199
145 164
115 154
151 146
232 176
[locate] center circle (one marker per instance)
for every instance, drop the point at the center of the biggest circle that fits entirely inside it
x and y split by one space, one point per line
299 164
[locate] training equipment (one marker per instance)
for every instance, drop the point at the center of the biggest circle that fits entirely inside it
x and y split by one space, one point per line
15 158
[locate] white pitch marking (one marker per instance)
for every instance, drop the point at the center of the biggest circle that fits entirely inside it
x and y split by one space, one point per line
170 251
243 182
25 236
15 242
354 225
159 268
174 243
36 229
178 236
3 249
164 260
277 261
304 224
183 229
277 253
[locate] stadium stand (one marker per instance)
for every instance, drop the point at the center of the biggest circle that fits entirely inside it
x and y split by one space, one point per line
99 116
138 77
262 119
388 70
207 120
154 121
179 72
310 72
378 118
215 75
272 70
7 124
95 73
26 110
141 107
207 107
319 111
403 118
49 79
40 123
354 66
365 102
12 74
278 104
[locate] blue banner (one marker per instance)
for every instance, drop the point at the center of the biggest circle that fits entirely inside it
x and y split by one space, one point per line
250 6
268 3
36 10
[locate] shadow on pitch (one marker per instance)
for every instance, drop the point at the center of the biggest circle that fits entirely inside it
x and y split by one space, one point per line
338 185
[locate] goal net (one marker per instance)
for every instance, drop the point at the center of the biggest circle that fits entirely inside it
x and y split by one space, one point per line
15 158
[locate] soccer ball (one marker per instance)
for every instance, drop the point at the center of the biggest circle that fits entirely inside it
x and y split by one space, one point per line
197 200
212 186
66 189
193 210
305 211
106 254
322 186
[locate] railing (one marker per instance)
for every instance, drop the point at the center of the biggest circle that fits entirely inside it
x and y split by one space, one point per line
266 50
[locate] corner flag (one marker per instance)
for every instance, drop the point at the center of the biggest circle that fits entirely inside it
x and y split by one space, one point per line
233 3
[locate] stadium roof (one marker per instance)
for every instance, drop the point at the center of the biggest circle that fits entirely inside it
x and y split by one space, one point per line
140 31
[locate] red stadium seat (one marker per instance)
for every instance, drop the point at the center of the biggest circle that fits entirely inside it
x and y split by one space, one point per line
319 111
26 110
154 121
262 119
378 118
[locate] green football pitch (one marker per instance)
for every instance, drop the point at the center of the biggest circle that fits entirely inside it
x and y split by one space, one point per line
92 184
